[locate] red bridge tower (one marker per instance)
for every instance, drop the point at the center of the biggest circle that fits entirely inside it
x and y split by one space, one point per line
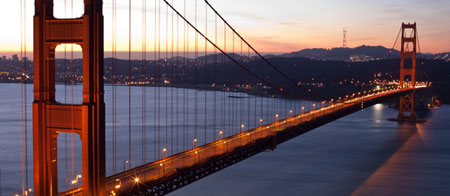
408 73
50 117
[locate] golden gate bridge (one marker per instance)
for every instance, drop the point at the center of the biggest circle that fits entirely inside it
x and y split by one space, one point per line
187 53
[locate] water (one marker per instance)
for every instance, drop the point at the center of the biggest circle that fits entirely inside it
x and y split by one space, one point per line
361 154
177 117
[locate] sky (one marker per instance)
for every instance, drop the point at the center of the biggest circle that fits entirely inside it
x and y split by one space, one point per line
269 25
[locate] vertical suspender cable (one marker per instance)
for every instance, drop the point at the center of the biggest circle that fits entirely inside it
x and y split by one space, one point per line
144 75
233 94
166 65
25 90
205 78
113 81
215 81
159 79
21 96
224 100
129 84
155 153
171 80
185 45
177 83
196 78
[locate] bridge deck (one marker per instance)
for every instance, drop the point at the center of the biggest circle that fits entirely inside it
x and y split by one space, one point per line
141 178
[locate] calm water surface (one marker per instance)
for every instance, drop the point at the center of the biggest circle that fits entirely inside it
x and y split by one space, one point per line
361 154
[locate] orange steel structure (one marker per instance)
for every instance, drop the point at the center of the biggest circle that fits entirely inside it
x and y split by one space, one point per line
51 118
408 73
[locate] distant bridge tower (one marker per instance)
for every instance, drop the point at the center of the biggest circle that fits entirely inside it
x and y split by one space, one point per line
50 117
407 72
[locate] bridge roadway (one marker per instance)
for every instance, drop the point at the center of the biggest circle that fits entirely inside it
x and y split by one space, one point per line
166 175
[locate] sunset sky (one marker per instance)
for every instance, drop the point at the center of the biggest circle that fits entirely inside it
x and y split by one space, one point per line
271 25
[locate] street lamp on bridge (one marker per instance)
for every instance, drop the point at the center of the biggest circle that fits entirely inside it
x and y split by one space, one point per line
124 164
194 143
220 134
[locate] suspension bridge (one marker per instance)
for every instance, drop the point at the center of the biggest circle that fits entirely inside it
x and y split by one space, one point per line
185 135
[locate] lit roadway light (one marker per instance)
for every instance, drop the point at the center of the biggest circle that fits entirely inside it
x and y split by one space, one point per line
194 143
136 180
303 109
290 112
220 134
119 184
314 106
75 181
163 152
276 117
124 164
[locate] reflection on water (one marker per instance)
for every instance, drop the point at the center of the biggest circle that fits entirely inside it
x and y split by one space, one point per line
377 112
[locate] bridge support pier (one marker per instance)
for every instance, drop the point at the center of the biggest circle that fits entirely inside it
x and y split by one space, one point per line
50 117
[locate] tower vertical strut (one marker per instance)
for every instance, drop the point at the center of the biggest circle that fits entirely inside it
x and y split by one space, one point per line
50 117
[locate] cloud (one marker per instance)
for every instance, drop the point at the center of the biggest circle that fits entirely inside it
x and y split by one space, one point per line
362 39
436 34
273 44
247 16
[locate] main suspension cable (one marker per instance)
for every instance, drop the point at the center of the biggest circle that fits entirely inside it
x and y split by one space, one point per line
226 54
295 83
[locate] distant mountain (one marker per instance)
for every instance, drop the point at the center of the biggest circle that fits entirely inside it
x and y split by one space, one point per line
361 53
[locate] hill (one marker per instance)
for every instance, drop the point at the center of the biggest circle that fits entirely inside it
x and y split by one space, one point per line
359 54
